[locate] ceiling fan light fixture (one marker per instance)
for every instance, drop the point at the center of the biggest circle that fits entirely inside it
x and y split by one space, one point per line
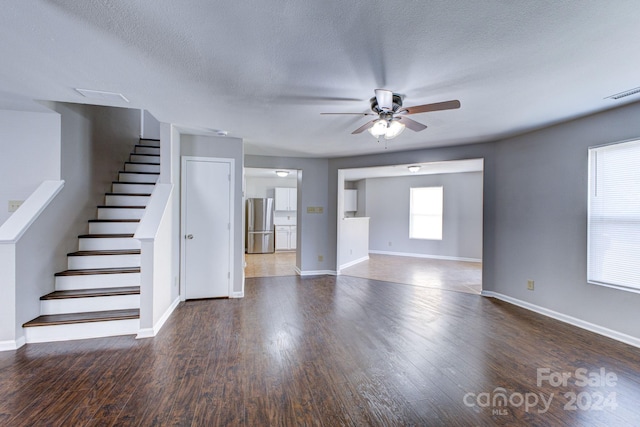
414 168
379 128
395 128
282 174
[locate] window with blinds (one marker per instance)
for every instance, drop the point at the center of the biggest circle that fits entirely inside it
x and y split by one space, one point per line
613 257
426 206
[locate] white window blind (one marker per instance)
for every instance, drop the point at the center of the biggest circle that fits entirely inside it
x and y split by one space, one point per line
425 212
614 216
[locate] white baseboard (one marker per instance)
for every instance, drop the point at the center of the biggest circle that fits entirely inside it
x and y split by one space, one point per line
354 262
12 345
601 330
443 257
315 272
237 294
152 332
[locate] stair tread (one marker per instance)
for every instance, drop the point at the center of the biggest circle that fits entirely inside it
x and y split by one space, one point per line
148 139
104 236
70 318
145 154
141 163
141 173
127 194
106 252
90 271
114 220
145 146
120 207
129 183
98 292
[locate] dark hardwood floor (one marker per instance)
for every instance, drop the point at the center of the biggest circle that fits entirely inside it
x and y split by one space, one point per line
330 351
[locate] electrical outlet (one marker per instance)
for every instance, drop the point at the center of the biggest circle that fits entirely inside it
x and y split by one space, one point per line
320 258
14 205
530 285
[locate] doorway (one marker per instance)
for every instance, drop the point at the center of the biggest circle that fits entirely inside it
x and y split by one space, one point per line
379 216
281 186
207 221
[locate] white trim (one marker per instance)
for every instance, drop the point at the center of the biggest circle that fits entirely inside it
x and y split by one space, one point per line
12 345
601 330
315 272
152 332
354 262
443 257
237 294
141 124
20 221
183 192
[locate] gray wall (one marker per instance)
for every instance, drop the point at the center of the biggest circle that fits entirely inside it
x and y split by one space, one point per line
540 213
230 148
96 141
313 239
387 204
30 154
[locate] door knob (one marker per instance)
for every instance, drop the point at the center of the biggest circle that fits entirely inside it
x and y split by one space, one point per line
189 236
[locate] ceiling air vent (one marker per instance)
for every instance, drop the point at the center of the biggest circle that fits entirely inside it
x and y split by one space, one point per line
102 95
624 94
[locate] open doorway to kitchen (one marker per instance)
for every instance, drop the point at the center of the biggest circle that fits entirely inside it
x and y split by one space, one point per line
271 221
419 224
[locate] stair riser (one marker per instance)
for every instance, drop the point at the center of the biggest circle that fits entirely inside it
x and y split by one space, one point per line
149 143
78 331
142 158
113 227
81 305
102 261
113 213
107 243
126 200
137 177
147 150
140 167
132 188
96 281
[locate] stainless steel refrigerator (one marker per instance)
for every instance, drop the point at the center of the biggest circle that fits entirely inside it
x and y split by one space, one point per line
260 234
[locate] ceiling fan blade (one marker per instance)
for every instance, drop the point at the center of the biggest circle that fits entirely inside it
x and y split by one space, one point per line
438 106
359 114
412 124
363 127
385 99
301 99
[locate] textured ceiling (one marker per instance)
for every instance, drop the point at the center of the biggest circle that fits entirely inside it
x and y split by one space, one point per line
263 71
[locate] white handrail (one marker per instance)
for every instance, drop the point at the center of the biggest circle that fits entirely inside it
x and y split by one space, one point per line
20 221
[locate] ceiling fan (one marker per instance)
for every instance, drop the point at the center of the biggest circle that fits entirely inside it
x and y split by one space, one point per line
391 114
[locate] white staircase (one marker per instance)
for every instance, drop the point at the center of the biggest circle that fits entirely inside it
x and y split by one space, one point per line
99 294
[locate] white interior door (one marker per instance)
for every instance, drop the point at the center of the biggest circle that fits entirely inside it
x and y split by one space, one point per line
206 227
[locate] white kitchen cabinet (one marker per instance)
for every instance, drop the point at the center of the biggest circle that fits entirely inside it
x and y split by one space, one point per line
286 237
350 200
286 199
